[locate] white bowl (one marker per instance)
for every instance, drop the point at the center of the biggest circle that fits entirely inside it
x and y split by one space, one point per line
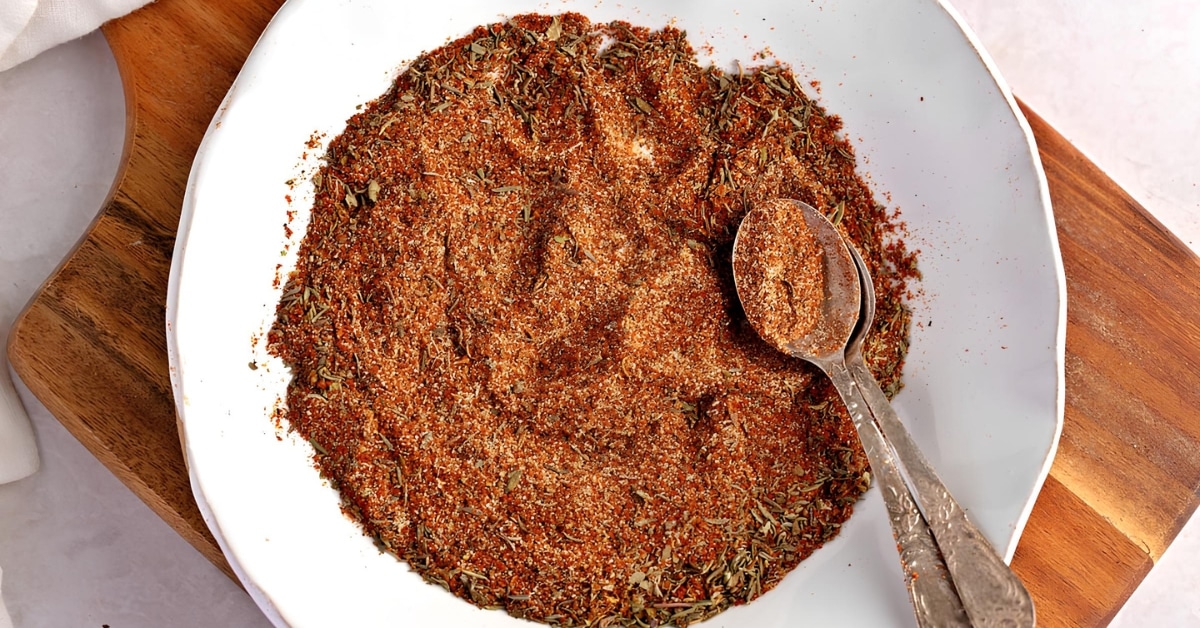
937 133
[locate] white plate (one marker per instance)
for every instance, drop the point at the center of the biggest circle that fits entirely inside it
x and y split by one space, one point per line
936 130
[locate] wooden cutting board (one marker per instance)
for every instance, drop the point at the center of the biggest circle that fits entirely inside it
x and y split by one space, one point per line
91 344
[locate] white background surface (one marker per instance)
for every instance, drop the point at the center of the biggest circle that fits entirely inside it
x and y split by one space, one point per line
78 549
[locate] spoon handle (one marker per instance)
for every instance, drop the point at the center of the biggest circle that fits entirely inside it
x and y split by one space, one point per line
935 601
991 593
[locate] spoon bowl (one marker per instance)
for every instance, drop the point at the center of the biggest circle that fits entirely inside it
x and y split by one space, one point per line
796 279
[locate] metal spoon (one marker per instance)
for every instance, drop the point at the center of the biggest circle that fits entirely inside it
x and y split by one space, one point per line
997 597
934 603
991 593
935 599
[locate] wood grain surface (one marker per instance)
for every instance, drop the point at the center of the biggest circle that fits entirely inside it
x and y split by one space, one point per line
91 344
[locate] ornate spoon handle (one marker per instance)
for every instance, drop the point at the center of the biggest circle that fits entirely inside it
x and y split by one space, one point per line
991 593
935 601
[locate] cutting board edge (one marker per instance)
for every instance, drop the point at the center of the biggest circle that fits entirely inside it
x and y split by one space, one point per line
33 377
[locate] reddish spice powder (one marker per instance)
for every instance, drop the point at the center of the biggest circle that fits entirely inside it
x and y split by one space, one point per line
516 345
779 264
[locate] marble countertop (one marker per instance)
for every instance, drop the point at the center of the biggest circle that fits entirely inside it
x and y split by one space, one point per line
77 548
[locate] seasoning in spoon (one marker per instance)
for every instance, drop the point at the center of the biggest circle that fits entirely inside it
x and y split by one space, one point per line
515 341
781 268
780 261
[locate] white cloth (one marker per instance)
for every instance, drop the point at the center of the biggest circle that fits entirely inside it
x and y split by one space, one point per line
18 451
5 620
28 27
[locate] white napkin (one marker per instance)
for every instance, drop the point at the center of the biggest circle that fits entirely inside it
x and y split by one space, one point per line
28 27
5 620
18 452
